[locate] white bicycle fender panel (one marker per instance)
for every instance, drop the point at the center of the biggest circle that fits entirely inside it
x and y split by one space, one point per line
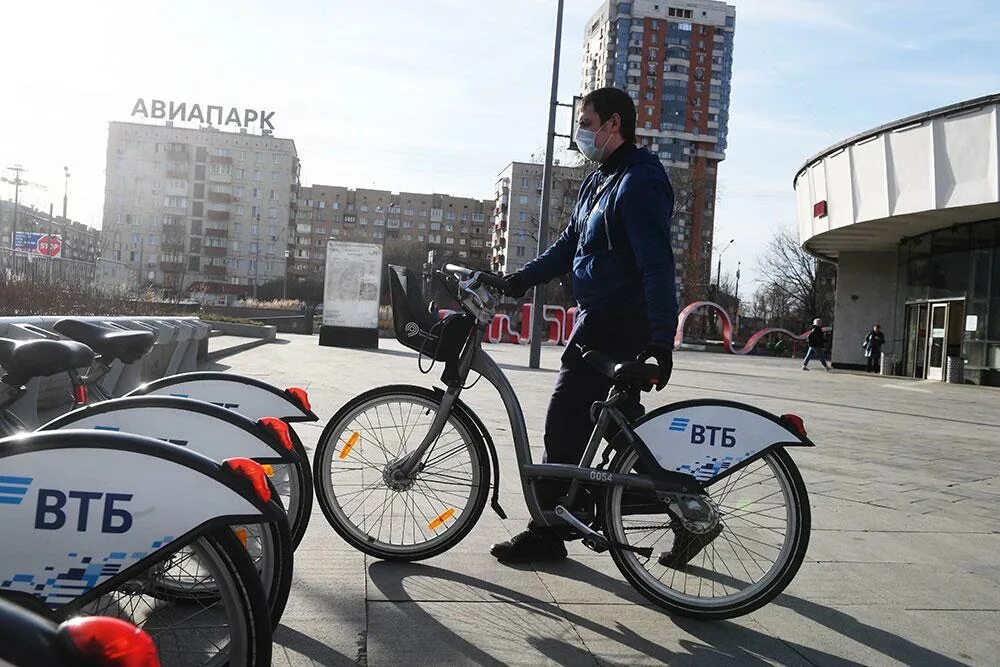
203 433
74 517
704 439
243 397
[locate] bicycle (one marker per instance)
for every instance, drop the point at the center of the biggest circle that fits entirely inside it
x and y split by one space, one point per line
86 533
27 638
202 427
403 472
252 398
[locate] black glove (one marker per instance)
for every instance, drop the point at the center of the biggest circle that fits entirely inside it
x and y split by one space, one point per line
664 356
516 285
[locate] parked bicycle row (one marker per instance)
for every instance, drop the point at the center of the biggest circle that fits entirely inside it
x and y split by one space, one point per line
176 508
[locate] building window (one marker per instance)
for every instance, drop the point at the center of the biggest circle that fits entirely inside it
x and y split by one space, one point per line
522 199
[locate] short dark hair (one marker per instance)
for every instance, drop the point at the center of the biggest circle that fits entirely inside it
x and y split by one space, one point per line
608 101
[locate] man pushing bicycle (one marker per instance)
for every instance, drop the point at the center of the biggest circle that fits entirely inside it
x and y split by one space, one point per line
617 246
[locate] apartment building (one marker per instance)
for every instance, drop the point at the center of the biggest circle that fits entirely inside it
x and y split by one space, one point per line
675 59
199 206
514 239
407 224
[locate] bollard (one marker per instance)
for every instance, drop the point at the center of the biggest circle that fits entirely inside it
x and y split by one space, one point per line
888 364
955 372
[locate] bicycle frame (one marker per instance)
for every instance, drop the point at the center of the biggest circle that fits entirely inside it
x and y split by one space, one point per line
675 468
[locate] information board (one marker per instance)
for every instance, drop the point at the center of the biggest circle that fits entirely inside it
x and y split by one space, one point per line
351 292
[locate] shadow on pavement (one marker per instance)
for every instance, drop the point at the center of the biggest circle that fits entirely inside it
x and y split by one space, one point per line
886 643
723 641
304 644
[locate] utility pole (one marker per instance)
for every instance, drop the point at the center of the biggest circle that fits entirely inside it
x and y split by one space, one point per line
537 323
17 182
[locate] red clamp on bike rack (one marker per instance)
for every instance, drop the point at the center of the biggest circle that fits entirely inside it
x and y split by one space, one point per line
278 429
301 397
252 471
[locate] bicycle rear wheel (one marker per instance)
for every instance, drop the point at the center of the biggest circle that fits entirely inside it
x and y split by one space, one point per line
294 484
270 549
230 626
407 519
765 519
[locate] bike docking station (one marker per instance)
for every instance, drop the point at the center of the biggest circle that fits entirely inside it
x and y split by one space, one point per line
351 292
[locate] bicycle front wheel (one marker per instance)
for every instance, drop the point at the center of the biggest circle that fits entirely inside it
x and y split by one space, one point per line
400 519
764 520
228 626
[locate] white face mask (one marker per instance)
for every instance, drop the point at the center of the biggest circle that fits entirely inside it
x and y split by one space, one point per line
586 141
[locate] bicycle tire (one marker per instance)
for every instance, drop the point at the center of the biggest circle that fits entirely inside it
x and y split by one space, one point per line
757 593
238 590
300 503
455 531
270 551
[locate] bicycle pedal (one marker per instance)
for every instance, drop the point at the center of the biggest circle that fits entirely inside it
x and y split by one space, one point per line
646 552
596 543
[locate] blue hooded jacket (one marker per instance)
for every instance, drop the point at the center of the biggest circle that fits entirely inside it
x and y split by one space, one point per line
617 243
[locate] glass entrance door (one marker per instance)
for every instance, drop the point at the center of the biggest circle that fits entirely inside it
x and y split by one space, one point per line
937 341
916 339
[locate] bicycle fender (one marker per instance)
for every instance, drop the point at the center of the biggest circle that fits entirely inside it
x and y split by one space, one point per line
709 439
207 429
463 407
83 511
249 397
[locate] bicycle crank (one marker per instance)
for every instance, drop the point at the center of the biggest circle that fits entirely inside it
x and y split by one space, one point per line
592 539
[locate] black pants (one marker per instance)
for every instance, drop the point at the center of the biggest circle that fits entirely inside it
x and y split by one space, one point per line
620 334
872 361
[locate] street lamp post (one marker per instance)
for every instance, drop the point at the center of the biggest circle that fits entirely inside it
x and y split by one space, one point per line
718 275
256 259
65 191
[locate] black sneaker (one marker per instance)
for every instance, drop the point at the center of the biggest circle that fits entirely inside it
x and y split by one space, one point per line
687 545
531 545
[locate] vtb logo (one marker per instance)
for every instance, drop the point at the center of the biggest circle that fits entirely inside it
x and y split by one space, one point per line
702 434
55 507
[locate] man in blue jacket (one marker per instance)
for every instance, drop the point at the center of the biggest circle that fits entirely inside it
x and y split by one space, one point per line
617 245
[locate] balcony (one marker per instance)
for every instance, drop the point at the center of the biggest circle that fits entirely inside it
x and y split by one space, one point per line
179 171
217 216
217 232
214 251
214 270
172 267
220 197
172 245
220 159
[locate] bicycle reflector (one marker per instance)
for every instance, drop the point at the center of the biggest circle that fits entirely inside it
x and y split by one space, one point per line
252 471
278 429
301 397
796 423
110 642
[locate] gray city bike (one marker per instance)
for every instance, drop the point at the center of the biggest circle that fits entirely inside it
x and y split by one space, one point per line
404 472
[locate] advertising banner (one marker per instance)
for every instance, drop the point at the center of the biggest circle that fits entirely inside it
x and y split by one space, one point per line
47 245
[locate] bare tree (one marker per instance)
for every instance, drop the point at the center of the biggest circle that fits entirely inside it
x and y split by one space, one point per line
796 285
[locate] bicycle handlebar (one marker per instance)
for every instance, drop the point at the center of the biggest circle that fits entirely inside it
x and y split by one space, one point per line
480 277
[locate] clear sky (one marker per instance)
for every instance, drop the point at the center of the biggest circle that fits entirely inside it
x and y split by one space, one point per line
439 95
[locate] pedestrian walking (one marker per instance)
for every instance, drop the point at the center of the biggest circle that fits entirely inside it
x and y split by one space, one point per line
817 341
873 349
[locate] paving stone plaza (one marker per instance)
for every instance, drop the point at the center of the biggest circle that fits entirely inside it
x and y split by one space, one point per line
902 567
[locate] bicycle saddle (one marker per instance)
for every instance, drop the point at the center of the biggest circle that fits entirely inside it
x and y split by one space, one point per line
26 359
629 372
110 344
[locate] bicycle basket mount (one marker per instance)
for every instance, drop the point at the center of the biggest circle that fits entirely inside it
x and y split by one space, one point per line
415 327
